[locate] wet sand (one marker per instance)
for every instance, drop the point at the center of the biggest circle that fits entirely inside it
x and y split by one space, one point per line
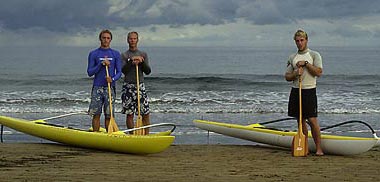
54 162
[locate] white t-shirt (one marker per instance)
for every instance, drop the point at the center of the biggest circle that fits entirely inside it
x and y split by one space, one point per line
308 81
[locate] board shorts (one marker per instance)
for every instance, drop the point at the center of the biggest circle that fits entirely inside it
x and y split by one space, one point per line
309 103
129 99
100 101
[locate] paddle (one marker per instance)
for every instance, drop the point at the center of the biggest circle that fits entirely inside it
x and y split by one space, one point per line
112 126
299 145
139 122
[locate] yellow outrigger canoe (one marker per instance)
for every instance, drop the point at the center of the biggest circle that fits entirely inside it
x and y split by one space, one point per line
117 141
331 144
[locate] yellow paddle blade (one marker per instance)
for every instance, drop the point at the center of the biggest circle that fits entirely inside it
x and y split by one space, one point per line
115 128
112 126
139 123
299 145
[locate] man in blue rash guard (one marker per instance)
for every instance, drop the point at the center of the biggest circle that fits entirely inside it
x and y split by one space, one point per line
98 59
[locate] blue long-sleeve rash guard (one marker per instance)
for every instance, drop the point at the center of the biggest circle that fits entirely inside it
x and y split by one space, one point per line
96 68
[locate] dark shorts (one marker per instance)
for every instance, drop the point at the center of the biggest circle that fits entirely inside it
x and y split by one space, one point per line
100 101
129 99
309 103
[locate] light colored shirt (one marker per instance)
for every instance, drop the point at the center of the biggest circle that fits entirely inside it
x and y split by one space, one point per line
308 80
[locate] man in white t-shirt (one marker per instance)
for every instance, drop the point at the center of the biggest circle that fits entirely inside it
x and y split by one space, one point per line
306 64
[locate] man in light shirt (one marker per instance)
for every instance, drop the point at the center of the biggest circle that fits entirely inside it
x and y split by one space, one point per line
306 64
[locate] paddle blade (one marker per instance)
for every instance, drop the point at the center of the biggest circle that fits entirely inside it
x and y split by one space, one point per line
139 124
115 128
112 126
299 145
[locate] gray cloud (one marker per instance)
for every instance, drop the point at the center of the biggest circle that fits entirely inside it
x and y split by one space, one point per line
214 22
68 16
351 32
55 15
278 12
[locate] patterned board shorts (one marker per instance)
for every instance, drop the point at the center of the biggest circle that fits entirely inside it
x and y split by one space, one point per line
99 99
129 99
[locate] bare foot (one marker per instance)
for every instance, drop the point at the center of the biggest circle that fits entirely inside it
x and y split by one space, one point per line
319 154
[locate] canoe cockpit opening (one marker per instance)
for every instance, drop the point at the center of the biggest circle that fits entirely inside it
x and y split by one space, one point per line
59 126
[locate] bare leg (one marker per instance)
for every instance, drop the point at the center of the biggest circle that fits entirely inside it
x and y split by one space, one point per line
95 123
129 122
304 128
146 121
106 123
315 131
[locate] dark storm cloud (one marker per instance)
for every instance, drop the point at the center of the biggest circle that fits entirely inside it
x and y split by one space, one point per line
328 9
69 16
178 13
280 12
55 15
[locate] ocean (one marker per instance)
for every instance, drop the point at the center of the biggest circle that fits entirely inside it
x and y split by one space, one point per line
241 85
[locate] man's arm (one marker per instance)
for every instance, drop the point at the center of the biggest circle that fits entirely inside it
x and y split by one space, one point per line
92 67
125 63
314 70
290 76
117 67
291 73
145 64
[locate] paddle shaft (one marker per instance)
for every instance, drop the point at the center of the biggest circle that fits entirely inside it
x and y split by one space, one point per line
109 92
300 104
139 118
138 90
112 126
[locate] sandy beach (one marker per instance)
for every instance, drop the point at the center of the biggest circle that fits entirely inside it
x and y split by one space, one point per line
54 162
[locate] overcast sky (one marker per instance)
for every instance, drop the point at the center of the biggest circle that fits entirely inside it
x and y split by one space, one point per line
190 22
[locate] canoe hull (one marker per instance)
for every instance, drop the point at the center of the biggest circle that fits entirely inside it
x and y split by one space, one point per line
331 144
116 142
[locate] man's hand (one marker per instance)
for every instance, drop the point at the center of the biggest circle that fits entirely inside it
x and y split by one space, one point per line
137 60
106 62
301 64
109 79
300 71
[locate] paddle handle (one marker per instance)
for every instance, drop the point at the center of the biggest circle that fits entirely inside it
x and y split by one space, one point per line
138 90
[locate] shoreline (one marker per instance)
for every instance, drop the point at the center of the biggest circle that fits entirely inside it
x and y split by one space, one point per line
50 161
